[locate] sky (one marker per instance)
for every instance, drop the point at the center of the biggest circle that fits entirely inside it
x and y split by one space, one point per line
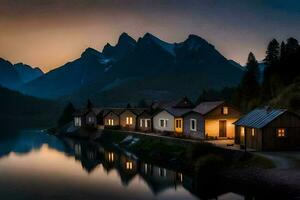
50 33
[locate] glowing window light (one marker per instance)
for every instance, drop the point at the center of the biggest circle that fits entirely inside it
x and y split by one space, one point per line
129 165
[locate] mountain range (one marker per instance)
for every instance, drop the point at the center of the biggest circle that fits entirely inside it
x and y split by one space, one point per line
131 70
14 75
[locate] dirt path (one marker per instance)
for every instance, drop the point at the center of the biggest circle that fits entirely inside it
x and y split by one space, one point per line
283 160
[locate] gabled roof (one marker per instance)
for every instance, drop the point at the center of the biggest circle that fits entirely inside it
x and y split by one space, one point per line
162 104
177 112
259 117
205 107
97 110
184 103
116 111
81 112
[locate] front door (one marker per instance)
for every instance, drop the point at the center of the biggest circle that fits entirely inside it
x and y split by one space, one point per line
178 125
222 128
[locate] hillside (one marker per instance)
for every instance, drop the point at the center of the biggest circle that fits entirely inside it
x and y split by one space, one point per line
14 75
289 98
20 111
147 68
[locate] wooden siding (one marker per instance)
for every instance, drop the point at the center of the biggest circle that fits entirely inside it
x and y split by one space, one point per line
266 138
291 123
141 127
213 118
112 116
163 115
199 133
123 122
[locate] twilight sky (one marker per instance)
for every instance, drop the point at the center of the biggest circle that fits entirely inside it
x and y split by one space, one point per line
49 33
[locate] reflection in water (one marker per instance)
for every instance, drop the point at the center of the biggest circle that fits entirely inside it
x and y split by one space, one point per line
47 163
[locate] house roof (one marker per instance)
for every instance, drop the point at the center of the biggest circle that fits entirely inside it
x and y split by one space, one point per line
81 112
205 107
162 104
117 111
177 112
259 117
97 110
184 103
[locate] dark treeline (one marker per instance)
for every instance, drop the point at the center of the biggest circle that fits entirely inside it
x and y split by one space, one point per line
280 75
21 111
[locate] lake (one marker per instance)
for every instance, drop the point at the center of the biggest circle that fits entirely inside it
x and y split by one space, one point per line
35 165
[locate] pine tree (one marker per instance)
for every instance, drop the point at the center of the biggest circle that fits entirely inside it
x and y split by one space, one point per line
89 104
67 115
291 64
249 88
272 63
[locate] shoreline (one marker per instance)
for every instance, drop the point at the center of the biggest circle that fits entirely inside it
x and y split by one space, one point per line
263 175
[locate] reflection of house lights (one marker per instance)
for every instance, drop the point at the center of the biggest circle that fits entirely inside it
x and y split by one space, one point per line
111 157
180 177
162 172
128 165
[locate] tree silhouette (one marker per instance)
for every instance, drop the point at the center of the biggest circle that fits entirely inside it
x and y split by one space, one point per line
67 115
249 89
89 104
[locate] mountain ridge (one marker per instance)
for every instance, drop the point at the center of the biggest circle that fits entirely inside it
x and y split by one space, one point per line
129 61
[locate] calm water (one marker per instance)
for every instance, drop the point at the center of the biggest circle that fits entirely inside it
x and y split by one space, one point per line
35 165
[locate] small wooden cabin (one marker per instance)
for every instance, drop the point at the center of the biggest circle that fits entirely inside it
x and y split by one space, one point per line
218 119
86 118
111 117
144 122
128 118
265 129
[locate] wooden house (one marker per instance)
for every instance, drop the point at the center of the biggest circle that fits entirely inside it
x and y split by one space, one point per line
128 118
144 121
268 129
87 117
163 121
193 125
111 117
171 119
218 119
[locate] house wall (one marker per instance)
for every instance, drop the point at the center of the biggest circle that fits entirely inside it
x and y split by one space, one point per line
291 123
163 115
212 121
199 133
91 115
113 116
211 127
143 128
123 124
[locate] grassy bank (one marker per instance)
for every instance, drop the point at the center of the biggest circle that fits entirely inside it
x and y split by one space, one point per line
198 158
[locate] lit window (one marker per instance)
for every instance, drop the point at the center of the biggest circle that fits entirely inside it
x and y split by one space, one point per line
129 120
141 122
193 125
128 165
147 123
111 157
242 131
91 119
281 132
110 122
253 132
225 110
77 121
